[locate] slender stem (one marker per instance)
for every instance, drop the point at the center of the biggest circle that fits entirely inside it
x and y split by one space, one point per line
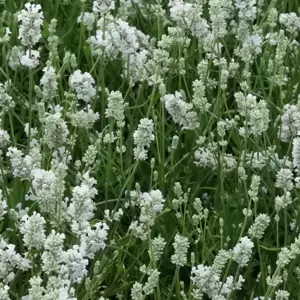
30 99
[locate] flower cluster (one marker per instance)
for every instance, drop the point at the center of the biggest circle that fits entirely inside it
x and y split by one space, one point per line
181 111
142 138
83 85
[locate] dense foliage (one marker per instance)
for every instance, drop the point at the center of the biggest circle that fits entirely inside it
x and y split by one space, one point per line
149 149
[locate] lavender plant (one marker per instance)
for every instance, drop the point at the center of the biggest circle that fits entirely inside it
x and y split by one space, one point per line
149 149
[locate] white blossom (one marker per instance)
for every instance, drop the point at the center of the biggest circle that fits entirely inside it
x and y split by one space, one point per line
15 57
4 295
290 21
142 138
181 245
55 129
6 101
88 20
284 179
259 226
296 153
49 83
181 111
45 190
4 139
83 84
151 204
52 256
33 230
93 239
30 59
10 261
290 120
256 114
115 108
241 253
3 206
22 165
103 6
31 20
74 264
81 207
84 118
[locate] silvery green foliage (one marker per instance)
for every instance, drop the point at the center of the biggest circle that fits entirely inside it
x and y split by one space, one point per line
31 20
258 228
142 138
83 84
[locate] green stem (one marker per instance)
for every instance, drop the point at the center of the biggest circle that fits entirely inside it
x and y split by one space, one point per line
30 108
